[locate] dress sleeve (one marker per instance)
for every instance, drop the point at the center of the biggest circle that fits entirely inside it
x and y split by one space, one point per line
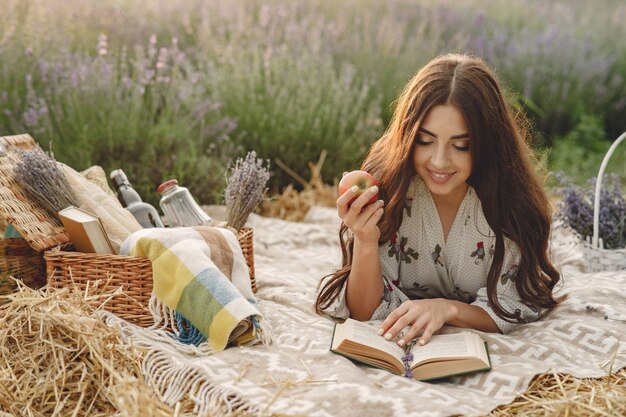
392 294
338 308
507 293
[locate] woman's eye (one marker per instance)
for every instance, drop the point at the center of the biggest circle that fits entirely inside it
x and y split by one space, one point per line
461 145
422 141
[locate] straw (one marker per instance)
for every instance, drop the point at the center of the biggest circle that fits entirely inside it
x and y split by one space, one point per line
57 358
557 394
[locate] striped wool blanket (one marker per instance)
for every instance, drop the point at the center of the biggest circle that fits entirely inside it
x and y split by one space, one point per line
201 275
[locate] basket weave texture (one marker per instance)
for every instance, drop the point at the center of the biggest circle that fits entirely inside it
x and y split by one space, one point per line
19 260
46 243
600 259
36 226
92 273
22 258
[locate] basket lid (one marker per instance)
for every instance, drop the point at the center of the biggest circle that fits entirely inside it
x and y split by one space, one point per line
40 230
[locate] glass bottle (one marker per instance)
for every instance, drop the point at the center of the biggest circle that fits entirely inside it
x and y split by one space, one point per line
146 215
179 206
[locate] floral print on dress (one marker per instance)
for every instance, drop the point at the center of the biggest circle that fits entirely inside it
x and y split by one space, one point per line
388 289
400 251
421 290
509 275
462 295
436 255
479 253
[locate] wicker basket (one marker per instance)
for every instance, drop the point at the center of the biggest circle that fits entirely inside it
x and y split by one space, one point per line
597 258
91 272
20 261
85 271
22 258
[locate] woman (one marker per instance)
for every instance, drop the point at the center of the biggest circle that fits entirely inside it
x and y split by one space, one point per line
463 239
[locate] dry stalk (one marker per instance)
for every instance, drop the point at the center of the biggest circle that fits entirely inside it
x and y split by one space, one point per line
288 384
292 204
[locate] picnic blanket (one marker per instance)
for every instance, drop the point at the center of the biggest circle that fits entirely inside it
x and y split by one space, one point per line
201 274
300 376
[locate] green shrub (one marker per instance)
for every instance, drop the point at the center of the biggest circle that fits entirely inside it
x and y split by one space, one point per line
579 154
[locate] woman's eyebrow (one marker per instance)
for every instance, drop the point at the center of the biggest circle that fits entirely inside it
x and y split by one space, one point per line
460 136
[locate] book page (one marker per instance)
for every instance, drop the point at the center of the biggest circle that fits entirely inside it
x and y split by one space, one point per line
441 346
367 335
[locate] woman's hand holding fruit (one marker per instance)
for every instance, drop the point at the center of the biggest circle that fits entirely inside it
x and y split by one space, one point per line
357 206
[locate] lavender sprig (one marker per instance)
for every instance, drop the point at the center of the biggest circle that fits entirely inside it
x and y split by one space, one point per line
576 210
43 181
407 359
245 188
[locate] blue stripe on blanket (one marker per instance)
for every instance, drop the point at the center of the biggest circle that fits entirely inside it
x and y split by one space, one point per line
218 286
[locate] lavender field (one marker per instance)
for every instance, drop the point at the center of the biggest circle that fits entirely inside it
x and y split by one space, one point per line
177 88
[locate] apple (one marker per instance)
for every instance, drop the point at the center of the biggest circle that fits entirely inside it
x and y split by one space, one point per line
362 179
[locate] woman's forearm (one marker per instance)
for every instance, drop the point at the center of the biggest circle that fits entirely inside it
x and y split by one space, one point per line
365 285
470 316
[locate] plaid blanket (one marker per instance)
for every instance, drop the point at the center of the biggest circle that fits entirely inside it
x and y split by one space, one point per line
201 274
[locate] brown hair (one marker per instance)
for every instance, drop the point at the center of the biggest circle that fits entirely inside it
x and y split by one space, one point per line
513 201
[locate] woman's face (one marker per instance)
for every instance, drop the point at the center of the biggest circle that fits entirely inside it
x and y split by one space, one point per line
441 154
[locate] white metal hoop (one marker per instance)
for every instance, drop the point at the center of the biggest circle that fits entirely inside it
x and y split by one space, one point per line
596 200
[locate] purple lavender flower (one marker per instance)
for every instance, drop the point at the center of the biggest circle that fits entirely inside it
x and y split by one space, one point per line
43 181
576 209
245 189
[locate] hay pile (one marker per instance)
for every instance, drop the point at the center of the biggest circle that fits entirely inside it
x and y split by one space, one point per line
292 204
554 394
57 358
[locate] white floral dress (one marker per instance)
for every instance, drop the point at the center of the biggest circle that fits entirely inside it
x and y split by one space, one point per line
417 262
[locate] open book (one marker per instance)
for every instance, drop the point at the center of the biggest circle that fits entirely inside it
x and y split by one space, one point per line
86 231
443 356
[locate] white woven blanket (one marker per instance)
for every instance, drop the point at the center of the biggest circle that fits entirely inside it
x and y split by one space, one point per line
299 376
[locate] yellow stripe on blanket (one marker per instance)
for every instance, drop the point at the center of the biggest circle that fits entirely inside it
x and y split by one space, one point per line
200 273
170 277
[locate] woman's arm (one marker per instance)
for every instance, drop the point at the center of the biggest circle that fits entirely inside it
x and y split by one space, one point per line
365 284
470 316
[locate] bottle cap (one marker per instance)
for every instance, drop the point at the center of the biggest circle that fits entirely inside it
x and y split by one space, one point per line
116 172
166 184
118 177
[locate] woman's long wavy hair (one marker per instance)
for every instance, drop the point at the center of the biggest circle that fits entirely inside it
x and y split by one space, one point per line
513 201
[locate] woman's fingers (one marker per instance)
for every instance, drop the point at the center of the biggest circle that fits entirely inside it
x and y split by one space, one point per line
350 204
343 202
394 322
376 215
428 333
423 316
368 212
415 330
361 201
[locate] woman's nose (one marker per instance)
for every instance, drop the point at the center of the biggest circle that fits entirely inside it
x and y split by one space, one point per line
440 157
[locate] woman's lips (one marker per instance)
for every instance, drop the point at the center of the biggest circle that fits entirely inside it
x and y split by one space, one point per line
440 177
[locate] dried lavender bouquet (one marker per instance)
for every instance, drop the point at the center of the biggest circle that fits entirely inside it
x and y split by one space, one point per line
245 188
43 182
